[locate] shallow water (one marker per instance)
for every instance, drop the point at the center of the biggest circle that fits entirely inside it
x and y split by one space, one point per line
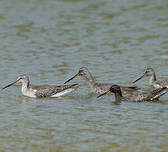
50 40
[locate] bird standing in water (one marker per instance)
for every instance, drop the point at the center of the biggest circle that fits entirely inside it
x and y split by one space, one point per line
146 96
99 88
42 90
152 79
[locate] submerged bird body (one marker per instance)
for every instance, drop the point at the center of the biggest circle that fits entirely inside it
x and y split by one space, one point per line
146 96
152 79
99 88
43 90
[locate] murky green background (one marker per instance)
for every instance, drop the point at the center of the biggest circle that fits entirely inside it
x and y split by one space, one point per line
50 40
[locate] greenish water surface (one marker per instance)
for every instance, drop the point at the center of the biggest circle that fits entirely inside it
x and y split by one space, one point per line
50 40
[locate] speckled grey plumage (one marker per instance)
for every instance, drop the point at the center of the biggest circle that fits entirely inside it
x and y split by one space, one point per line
152 79
146 96
100 88
49 90
43 90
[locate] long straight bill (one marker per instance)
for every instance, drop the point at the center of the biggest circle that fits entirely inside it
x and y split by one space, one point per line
104 94
139 78
10 84
71 78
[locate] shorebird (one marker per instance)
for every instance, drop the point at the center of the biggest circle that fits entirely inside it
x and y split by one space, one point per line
43 90
152 79
146 96
99 88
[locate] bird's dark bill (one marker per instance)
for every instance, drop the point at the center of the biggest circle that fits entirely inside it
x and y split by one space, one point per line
10 84
71 78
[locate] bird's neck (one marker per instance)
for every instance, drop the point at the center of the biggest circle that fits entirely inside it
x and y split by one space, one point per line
152 79
118 96
90 78
25 86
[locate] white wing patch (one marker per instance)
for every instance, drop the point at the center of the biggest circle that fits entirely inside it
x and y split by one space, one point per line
63 92
160 94
157 86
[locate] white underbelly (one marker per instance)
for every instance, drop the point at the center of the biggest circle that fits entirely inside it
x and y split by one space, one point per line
157 86
63 92
30 93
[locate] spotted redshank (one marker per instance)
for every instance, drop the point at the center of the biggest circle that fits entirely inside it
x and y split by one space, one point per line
152 79
146 96
43 90
99 88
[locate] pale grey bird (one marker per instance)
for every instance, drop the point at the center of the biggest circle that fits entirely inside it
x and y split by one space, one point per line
152 79
42 90
99 88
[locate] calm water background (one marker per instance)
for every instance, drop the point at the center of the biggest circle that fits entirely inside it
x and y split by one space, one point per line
50 40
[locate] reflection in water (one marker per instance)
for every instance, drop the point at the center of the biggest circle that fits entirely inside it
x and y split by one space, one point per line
25 99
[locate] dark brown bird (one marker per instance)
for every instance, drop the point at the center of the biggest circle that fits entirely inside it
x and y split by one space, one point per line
146 96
